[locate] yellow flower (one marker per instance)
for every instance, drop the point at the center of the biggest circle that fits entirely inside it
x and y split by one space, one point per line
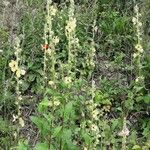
50 103
85 148
20 98
13 65
49 51
21 122
67 80
139 48
140 78
53 10
134 20
51 83
95 114
20 72
94 127
56 40
135 55
71 25
56 103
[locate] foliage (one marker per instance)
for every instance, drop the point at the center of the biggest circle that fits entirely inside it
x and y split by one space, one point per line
75 76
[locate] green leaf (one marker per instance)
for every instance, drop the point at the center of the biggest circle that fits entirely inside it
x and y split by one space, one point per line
37 121
22 145
71 146
101 98
67 134
136 147
43 105
31 78
25 86
42 124
147 99
68 110
45 102
48 117
86 137
57 131
115 123
41 146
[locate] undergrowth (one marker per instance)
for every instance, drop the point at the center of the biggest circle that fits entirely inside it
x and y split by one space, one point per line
74 75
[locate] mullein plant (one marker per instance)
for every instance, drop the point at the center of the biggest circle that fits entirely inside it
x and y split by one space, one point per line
49 72
73 41
137 58
50 41
94 114
92 107
138 54
18 71
124 133
91 54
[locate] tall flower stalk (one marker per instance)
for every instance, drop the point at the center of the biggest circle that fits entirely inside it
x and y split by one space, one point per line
70 30
50 41
17 69
138 55
124 133
49 75
91 105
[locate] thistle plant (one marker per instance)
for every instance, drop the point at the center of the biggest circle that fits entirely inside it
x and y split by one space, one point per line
16 67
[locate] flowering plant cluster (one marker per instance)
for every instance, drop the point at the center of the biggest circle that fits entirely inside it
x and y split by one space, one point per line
83 85
14 64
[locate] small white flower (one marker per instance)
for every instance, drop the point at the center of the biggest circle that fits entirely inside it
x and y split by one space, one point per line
124 132
56 40
67 80
56 103
85 148
23 72
20 98
94 128
139 24
136 8
134 20
139 78
135 55
15 135
95 114
50 104
21 122
51 83
14 118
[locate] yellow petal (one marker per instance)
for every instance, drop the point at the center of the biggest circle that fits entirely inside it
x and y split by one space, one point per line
18 73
